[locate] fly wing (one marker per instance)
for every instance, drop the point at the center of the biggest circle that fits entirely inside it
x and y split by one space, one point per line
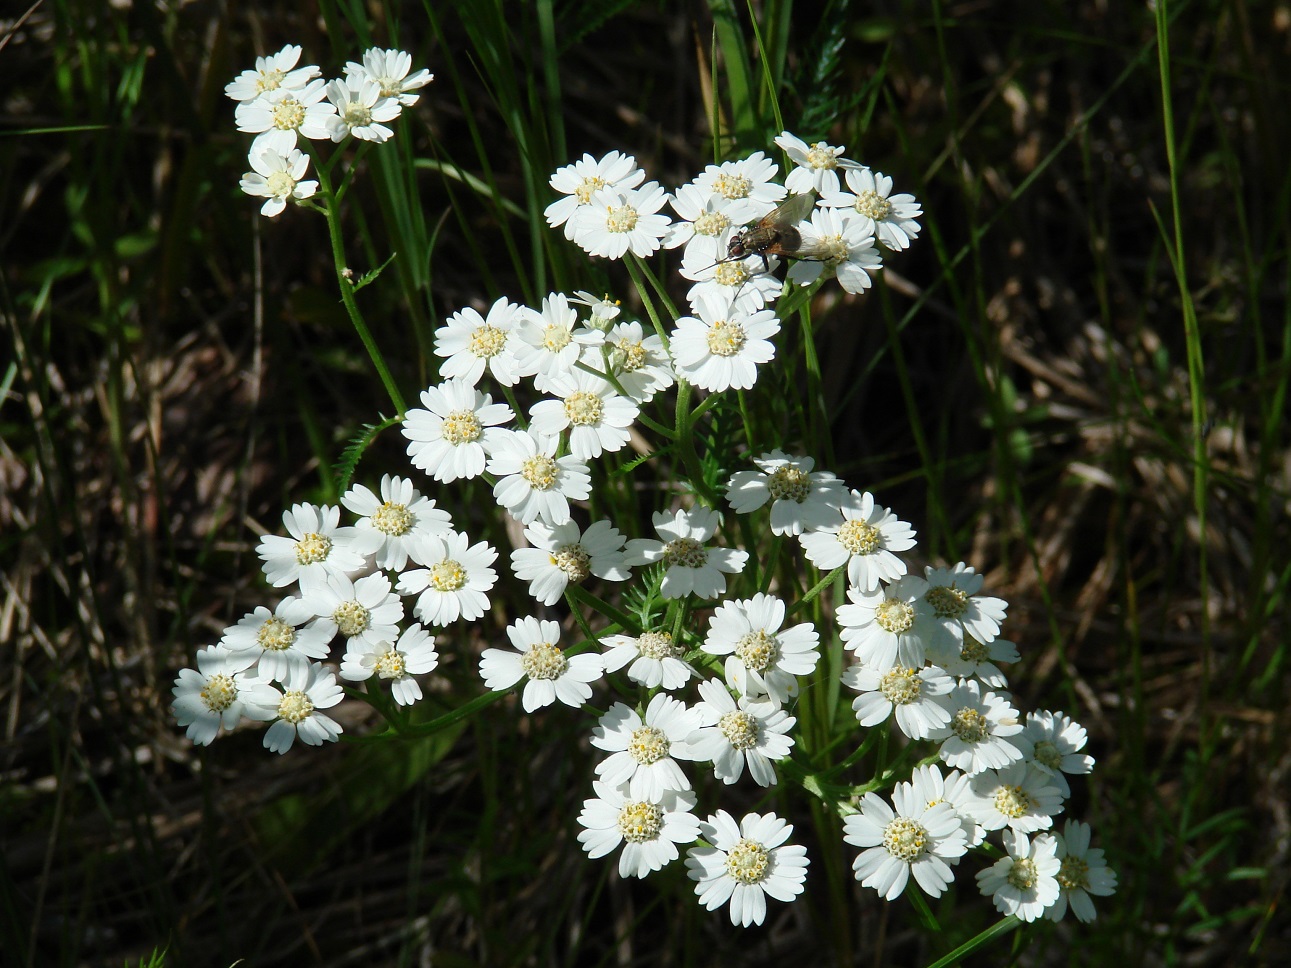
794 209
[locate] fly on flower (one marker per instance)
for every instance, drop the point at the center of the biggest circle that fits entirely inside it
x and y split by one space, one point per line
776 233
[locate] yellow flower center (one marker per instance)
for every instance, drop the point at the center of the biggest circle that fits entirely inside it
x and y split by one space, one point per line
685 553
894 615
487 341
1023 874
540 472
789 483
461 427
873 205
392 519
280 184
859 538
1048 754
288 114
270 80
905 839
584 408
970 725
747 861
356 115
639 822
822 157
630 355
391 665
725 338
740 729
555 337
447 575
275 635
620 218
732 186
657 645
758 650
974 651
574 561
947 601
1012 801
351 618
648 745
733 274
313 548
544 661
295 707
1073 874
588 187
219 693
712 224
901 686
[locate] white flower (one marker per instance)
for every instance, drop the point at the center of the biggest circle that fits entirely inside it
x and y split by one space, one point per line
583 179
533 484
317 547
917 695
389 524
691 568
977 659
619 220
285 113
275 641
413 655
217 693
639 362
561 555
271 73
1026 881
551 673
816 165
473 343
954 788
880 626
983 733
548 343
388 69
450 438
914 839
743 284
748 178
721 347
648 830
761 660
745 864
360 109
1057 740
801 499
840 247
277 178
709 220
454 581
1019 797
734 734
365 611
307 689
602 310
952 609
593 412
889 217
866 541
1082 871
656 659
644 749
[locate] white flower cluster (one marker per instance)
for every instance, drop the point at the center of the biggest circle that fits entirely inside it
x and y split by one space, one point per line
926 649
279 102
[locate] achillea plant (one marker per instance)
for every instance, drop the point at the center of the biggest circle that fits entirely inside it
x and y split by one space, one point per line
690 651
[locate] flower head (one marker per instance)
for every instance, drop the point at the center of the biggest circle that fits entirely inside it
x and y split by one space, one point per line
280 115
389 524
952 609
656 660
549 343
891 218
691 567
595 414
562 555
1018 796
1026 881
583 179
277 71
649 830
453 583
644 749
1082 871
1055 741
277 178
801 499
735 733
842 248
816 164
535 485
216 693
866 540
880 626
639 362
360 110
983 733
396 661
275 641
917 695
388 70
452 436
306 690
617 221
472 344
318 547
912 839
538 657
363 611
722 347
762 659
745 863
